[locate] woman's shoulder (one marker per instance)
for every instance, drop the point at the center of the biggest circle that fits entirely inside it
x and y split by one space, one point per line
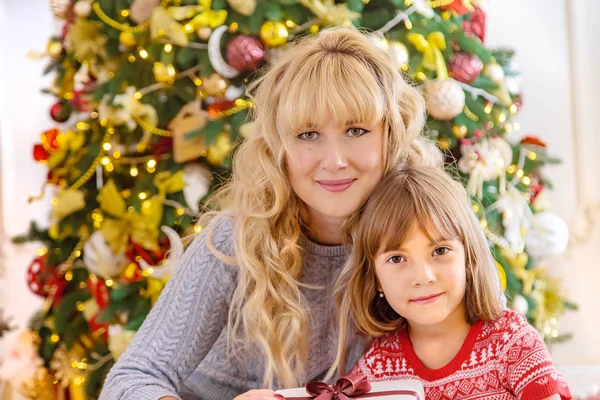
218 234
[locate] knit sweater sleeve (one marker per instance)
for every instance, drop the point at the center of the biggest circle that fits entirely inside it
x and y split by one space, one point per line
530 372
182 326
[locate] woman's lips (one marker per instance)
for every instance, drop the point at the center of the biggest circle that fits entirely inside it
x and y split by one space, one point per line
336 185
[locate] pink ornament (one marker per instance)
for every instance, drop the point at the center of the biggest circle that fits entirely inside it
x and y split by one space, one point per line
245 53
465 67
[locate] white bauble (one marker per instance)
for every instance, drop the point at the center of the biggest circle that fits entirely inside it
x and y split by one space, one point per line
548 236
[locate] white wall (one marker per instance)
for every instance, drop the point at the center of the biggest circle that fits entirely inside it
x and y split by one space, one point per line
558 55
24 25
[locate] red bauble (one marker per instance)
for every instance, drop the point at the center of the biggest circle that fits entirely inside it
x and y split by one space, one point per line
476 24
245 53
44 281
465 67
535 189
61 111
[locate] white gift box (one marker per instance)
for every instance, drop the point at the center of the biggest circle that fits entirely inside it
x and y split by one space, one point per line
413 391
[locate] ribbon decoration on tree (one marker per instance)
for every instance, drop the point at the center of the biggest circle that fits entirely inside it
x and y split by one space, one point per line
353 386
431 48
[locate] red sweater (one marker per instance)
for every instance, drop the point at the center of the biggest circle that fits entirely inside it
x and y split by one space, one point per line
501 359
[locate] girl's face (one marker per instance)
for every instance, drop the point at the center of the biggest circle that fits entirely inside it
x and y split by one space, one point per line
333 168
424 281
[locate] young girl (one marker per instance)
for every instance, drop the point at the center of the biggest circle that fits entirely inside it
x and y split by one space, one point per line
421 280
250 304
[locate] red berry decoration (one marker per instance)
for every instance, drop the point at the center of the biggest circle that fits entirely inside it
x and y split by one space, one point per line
245 53
465 67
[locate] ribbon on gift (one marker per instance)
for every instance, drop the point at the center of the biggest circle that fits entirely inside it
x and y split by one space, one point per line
353 386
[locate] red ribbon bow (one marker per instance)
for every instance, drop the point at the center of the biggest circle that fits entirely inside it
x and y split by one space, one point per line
353 386
344 388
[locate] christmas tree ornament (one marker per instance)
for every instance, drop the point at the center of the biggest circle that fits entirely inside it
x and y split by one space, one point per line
86 40
204 32
445 98
465 67
60 8
215 56
197 180
520 304
330 13
83 8
191 117
399 54
548 236
100 260
164 73
274 33
247 130
476 24
244 7
163 270
118 340
55 48
66 203
501 276
516 215
219 150
214 86
459 7
245 53
141 10
21 363
483 161
431 47
127 39
164 27
495 72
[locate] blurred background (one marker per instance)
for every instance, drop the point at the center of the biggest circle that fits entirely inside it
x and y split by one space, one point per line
557 96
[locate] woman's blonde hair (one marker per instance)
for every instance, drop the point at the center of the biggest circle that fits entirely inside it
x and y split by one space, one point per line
441 208
337 74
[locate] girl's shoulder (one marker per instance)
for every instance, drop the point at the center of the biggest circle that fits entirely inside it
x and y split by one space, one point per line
510 323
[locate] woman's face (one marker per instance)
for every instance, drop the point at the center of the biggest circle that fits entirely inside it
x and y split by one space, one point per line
333 168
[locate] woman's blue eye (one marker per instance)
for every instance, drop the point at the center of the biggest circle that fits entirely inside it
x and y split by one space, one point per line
308 135
356 132
440 251
396 259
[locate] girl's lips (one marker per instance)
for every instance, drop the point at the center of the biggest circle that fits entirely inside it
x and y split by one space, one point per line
427 299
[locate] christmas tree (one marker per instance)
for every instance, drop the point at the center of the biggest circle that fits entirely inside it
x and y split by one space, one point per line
150 100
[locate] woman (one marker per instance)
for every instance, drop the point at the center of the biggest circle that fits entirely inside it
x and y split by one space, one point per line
251 301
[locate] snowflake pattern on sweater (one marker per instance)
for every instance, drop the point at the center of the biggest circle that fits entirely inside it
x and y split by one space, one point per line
501 359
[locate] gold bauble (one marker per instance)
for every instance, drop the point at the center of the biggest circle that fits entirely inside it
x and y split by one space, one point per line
54 48
274 34
459 131
244 7
127 39
445 98
215 85
444 143
204 32
219 150
164 73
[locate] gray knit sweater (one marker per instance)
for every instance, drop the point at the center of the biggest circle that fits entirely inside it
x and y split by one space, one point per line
180 350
